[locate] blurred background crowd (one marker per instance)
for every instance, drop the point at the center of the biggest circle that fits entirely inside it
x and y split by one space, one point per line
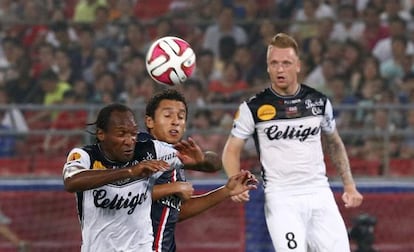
92 52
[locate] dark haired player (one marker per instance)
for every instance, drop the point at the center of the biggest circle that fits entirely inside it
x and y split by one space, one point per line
166 117
113 182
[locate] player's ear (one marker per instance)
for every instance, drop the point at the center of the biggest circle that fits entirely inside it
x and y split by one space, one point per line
100 135
149 122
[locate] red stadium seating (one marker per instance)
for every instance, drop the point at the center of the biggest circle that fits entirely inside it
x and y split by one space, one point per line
401 167
12 166
360 167
49 166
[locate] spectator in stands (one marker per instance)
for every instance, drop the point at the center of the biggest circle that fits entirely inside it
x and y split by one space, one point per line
121 12
224 26
13 126
5 231
105 89
52 90
374 30
61 35
398 28
205 72
43 60
164 26
194 93
368 72
348 25
136 38
82 90
230 88
350 62
64 68
208 12
306 18
9 13
102 61
394 9
341 95
278 117
313 52
105 32
69 118
85 10
82 55
52 87
227 49
250 72
131 70
392 69
33 17
320 77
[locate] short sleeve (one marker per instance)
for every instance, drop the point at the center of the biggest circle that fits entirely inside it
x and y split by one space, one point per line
243 123
328 124
78 160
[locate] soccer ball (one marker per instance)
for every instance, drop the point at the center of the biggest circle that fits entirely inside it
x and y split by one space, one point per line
170 61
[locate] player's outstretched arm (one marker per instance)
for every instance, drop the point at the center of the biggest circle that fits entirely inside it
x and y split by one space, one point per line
89 179
236 184
184 190
195 159
337 152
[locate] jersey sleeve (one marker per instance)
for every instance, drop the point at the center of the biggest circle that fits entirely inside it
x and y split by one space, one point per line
167 153
77 161
243 123
328 124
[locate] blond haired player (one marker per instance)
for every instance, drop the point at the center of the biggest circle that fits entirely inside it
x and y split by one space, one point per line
287 121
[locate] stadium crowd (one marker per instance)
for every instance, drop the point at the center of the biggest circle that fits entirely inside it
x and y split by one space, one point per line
359 52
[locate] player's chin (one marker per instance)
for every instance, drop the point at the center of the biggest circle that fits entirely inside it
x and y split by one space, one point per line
173 138
127 156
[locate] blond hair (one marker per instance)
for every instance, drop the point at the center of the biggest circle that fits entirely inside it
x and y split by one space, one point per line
282 40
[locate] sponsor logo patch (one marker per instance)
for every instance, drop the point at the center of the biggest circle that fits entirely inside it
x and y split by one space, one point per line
266 112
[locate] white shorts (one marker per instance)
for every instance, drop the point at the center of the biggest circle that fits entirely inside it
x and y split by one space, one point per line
305 221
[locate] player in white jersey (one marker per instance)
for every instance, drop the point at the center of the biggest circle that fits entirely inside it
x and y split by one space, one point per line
287 121
113 181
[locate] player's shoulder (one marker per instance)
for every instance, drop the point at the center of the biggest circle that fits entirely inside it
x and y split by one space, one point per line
265 93
310 92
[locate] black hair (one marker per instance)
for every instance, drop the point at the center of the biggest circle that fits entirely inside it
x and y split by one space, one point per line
104 115
168 94
48 75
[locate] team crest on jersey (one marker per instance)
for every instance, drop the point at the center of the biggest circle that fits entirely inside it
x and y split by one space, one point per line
266 112
314 106
97 165
74 156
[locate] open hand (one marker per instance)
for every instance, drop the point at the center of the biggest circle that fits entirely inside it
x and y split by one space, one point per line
240 184
189 152
148 167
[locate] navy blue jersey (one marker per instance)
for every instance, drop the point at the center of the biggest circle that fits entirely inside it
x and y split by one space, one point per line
165 211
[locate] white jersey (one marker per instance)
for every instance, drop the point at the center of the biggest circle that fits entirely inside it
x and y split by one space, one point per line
116 217
287 134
